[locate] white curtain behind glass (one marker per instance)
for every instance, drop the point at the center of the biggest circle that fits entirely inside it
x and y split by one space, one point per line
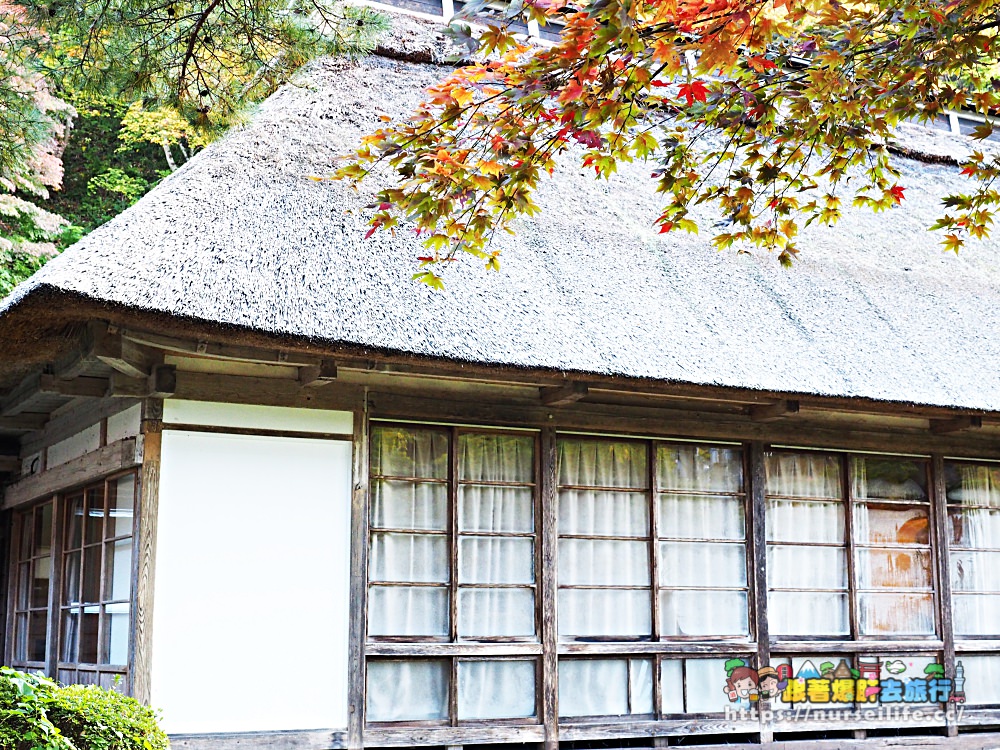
974 497
702 547
603 493
807 585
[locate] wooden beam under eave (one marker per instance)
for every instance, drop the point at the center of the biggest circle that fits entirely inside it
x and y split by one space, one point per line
561 395
86 387
161 383
772 412
9 464
26 421
121 354
312 376
956 424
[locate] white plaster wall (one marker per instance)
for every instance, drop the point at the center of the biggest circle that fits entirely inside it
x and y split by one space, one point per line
75 446
124 424
257 416
251 602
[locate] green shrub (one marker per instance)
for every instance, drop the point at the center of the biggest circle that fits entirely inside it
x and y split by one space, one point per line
38 714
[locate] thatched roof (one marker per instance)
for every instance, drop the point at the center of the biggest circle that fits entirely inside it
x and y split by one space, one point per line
242 238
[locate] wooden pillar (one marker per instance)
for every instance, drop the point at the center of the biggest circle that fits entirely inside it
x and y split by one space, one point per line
758 567
144 552
941 549
359 591
549 530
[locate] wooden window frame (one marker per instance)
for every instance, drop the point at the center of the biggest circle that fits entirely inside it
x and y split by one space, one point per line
757 647
854 638
455 648
54 666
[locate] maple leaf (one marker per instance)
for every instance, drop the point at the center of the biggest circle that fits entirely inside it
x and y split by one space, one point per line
897 193
692 92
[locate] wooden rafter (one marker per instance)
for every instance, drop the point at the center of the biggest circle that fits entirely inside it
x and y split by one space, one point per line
564 394
771 412
956 424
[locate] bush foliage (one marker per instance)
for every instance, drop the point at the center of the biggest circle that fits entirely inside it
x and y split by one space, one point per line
38 714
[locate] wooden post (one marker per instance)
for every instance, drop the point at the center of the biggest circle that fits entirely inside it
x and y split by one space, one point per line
55 586
359 590
144 552
757 547
941 550
549 530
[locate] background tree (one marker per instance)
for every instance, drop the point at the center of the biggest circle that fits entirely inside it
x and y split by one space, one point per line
775 112
151 82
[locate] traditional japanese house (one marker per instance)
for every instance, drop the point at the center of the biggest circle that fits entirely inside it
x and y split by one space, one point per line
259 478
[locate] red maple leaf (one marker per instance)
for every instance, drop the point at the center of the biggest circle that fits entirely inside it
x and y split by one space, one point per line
693 91
897 193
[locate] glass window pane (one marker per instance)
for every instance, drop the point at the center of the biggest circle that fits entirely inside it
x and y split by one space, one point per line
640 679
71 578
92 574
793 567
27 535
893 525
804 521
496 559
492 508
70 636
975 527
702 564
21 637
977 614
93 528
703 612
701 517
496 689
803 475
409 558
705 681
981 675
74 522
408 610
602 463
596 513
603 562
672 686
409 505
593 687
807 613
121 505
90 621
116 634
971 484
43 530
414 690
975 571
409 452
491 457
899 568
896 614
40 582
699 467
24 586
604 612
118 576
889 478
38 630
492 612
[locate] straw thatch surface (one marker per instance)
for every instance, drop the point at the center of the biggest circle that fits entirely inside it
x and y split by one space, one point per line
242 237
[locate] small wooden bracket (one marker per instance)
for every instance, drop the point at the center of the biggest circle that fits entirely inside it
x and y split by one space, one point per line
312 376
118 353
561 395
772 412
955 424
161 383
